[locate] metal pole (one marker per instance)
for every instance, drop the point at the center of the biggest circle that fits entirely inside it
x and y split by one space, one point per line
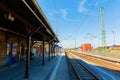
54 49
27 70
114 37
75 43
114 43
43 61
49 53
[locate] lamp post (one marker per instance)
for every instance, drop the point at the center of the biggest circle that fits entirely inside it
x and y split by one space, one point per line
113 38
113 43
75 42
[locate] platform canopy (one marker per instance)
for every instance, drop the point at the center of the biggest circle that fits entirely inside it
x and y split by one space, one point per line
25 17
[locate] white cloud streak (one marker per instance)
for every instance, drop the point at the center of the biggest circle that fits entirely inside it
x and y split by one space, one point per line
81 8
61 12
64 13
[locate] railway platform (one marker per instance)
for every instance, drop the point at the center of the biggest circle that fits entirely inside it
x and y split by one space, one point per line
52 70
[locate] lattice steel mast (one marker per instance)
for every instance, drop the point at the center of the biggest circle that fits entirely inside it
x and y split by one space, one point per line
103 29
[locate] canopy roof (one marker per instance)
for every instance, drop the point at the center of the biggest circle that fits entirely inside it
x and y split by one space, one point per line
25 17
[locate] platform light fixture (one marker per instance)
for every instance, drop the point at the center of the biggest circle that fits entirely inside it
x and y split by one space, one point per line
9 16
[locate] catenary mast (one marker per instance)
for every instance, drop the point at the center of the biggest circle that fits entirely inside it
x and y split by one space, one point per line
103 28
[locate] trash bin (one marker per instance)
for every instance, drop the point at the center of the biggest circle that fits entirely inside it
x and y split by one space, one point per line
8 60
13 59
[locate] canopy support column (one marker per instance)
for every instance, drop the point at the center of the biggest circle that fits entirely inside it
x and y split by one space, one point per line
49 52
43 61
27 70
54 49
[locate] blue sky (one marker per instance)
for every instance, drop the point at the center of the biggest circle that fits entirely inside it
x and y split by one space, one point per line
79 20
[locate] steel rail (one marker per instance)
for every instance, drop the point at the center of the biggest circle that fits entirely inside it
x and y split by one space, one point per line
81 70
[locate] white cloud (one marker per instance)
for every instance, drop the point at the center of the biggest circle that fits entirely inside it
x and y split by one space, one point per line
53 12
64 13
61 13
96 3
50 13
81 7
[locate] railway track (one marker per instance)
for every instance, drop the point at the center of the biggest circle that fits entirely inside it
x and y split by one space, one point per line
99 61
82 72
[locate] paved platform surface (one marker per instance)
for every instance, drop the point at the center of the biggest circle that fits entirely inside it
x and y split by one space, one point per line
62 72
55 69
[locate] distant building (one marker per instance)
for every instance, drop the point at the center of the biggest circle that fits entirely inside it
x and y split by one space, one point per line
86 47
117 47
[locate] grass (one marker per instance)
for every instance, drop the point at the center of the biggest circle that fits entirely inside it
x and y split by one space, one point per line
108 53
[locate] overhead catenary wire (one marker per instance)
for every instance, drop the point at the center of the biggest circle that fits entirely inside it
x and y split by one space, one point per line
84 18
82 21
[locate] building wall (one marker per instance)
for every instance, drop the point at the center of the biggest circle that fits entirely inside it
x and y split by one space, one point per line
4 49
3 46
116 47
86 47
